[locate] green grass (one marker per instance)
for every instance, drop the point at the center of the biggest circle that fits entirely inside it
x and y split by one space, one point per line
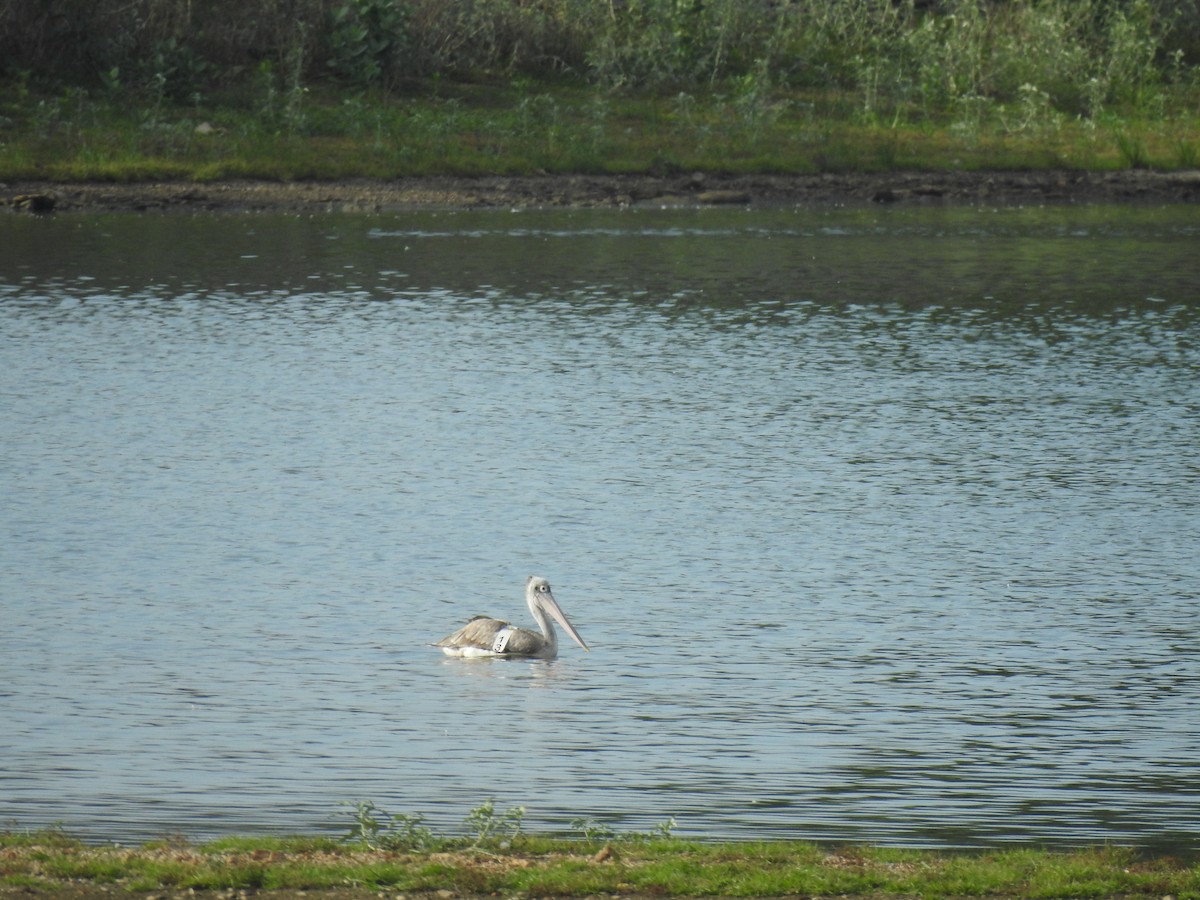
536 866
553 128
321 89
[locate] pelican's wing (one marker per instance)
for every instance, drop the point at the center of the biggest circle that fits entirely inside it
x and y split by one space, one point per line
479 633
524 642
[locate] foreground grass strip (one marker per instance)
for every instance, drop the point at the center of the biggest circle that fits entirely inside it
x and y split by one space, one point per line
559 130
543 867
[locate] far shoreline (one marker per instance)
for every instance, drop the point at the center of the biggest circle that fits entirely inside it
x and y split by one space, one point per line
566 191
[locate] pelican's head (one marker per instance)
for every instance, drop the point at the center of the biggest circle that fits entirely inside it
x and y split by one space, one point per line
539 596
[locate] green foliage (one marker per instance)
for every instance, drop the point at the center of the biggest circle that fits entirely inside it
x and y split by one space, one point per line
377 829
591 830
485 827
173 70
294 844
54 837
280 128
368 42
283 93
1187 154
491 829
903 59
1132 151
43 861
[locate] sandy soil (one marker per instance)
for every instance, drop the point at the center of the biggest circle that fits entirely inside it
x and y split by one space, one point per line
970 188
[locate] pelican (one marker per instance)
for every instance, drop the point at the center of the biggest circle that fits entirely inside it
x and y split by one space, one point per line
491 637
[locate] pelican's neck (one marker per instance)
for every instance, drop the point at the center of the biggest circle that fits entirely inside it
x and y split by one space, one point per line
543 621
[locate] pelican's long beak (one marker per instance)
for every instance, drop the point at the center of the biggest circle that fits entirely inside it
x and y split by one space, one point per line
560 617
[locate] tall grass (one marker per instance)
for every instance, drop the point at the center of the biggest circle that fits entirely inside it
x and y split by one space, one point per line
380 88
913 57
281 132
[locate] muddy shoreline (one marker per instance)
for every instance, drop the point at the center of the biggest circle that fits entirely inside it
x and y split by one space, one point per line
610 191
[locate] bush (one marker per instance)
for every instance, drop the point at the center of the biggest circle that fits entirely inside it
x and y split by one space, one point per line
929 55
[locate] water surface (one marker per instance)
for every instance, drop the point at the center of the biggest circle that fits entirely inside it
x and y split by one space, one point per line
881 524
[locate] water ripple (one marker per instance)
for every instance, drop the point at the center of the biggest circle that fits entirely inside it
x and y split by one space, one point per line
880 528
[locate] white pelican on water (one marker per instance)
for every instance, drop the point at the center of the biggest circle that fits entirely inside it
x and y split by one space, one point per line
491 637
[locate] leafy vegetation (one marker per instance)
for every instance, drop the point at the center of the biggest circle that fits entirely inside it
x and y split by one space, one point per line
1081 53
498 858
139 89
526 129
485 828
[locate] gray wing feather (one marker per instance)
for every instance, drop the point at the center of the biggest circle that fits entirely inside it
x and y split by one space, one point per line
523 642
479 632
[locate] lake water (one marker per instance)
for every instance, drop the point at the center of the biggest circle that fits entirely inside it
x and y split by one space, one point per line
881 524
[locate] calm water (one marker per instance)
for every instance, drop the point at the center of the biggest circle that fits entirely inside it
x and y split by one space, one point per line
882 525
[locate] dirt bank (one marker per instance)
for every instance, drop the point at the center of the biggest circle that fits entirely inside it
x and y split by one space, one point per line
964 188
